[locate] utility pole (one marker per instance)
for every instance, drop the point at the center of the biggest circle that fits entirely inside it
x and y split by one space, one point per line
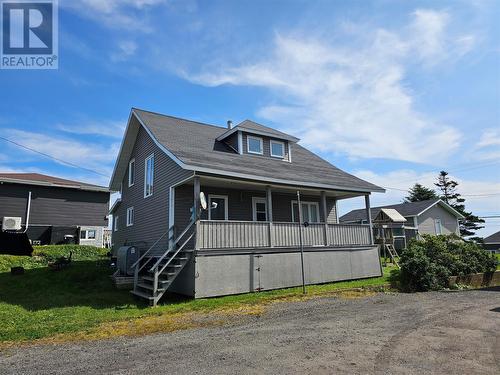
301 243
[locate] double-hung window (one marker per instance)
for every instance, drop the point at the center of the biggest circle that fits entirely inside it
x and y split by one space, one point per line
255 145
149 166
130 216
131 172
310 212
277 149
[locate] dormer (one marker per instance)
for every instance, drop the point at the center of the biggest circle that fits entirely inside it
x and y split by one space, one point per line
250 138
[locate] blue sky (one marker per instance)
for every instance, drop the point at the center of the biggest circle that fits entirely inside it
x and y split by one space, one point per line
392 91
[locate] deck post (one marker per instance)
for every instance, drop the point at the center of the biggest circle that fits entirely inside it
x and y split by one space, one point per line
325 216
369 216
196 206
269 206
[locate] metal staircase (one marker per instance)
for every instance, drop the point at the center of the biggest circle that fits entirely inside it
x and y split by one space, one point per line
393 253
152 283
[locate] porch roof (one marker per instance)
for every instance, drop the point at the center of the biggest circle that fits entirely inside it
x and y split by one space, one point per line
194 146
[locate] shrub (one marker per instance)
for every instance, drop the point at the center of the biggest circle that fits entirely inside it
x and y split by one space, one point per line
44 254
428 263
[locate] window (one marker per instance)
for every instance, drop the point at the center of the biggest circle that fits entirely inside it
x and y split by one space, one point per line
219 212
259 209
255 145
87 234
310 212
131 172
130 216
437 225
115 223
277 149
149 166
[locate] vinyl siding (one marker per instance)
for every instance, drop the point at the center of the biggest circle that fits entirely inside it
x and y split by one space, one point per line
54 206
240 205
266 146
427 219
151 213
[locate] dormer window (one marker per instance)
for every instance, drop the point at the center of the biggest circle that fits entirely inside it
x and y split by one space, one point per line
277 149
255 145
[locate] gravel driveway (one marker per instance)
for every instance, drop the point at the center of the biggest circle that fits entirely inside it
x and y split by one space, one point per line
428 333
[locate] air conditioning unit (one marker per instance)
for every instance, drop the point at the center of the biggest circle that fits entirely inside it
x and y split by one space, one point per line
11 223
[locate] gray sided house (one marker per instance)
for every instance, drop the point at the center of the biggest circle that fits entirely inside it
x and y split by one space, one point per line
424 217
492 243
59 210
248 238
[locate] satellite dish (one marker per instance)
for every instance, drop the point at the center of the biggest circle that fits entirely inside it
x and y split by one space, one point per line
203 200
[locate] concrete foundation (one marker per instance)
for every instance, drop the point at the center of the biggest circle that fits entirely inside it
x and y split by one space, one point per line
220 274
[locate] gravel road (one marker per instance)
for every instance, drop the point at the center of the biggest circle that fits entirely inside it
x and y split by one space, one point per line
428 333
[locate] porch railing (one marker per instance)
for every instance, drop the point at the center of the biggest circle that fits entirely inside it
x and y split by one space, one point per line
250 234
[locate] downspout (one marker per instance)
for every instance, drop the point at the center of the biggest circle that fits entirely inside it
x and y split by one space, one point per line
28 208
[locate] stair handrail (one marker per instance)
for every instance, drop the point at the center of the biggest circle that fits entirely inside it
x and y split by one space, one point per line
152 246
174 244
173 255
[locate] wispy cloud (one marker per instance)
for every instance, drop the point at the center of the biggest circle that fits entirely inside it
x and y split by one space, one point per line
353 98
125 49
480 196
112 129
115 14
97 157
488 146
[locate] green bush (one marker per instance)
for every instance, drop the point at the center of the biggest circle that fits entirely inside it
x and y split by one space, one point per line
428 263
44 254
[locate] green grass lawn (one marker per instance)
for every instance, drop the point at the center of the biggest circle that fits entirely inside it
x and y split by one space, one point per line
43 303
498 259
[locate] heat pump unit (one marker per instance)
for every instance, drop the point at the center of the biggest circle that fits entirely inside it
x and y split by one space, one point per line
11 223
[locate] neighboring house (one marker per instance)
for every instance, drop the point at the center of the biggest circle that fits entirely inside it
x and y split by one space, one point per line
492 243
425 217
59 210
249 238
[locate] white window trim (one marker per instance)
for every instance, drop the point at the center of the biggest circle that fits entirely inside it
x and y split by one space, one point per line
131 183
152 156
115 223
210 196
261 141
436 223
256 200
83 231
95 234
130 216
316 204
271 149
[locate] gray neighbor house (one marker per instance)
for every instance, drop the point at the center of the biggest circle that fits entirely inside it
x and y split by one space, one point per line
425 217
492 243
52 210
248 238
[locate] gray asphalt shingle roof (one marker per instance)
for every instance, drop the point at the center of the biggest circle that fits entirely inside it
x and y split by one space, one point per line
405 209
494 238
195 144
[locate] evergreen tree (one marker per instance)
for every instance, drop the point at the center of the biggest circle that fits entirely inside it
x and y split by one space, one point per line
449 194
420 193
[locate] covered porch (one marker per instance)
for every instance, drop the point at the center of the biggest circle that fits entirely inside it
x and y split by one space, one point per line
252 215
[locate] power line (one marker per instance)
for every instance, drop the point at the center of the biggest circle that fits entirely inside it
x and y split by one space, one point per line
463 195
53 157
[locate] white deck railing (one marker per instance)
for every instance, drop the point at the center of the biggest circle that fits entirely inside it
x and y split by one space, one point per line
250 234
